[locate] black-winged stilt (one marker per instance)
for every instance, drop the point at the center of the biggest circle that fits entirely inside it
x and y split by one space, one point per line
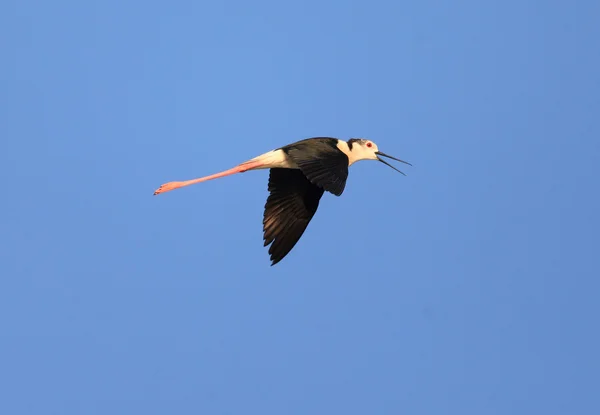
299 175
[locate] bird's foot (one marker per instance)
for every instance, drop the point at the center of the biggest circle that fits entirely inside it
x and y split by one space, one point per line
167 187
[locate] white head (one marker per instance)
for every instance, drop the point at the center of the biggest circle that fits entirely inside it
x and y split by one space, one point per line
363 149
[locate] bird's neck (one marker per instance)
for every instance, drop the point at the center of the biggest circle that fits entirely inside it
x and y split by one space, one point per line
345 148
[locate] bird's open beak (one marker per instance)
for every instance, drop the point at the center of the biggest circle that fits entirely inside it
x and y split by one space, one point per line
379 153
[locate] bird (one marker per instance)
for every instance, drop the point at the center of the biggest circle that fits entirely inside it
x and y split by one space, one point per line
299 174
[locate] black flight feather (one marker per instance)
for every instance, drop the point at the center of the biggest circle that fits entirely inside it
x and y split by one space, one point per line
292 203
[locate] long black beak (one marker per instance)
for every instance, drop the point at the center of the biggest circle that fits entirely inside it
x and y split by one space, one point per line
379 153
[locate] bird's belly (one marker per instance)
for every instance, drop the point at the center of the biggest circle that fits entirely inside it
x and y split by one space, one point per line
274 159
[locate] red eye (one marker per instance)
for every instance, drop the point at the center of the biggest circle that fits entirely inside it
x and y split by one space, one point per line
369 145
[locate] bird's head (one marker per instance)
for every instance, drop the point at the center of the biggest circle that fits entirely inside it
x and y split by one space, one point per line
363 149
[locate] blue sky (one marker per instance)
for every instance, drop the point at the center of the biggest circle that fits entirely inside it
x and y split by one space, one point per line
468 287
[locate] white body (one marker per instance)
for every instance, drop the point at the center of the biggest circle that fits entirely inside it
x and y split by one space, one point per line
274 159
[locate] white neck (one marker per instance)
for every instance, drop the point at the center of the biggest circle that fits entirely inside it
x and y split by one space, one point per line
343 146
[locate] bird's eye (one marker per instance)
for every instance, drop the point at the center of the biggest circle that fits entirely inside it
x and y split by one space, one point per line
369 144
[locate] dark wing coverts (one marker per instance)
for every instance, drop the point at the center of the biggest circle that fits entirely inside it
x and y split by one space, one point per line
322 162
292 203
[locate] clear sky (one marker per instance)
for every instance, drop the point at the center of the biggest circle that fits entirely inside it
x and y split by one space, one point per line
468 287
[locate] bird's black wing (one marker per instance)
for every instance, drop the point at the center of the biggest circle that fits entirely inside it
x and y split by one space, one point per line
292 203
321 161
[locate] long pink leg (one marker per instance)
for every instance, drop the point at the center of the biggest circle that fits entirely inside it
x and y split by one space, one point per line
238 169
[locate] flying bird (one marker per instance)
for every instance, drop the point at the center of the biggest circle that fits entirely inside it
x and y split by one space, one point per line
299 175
